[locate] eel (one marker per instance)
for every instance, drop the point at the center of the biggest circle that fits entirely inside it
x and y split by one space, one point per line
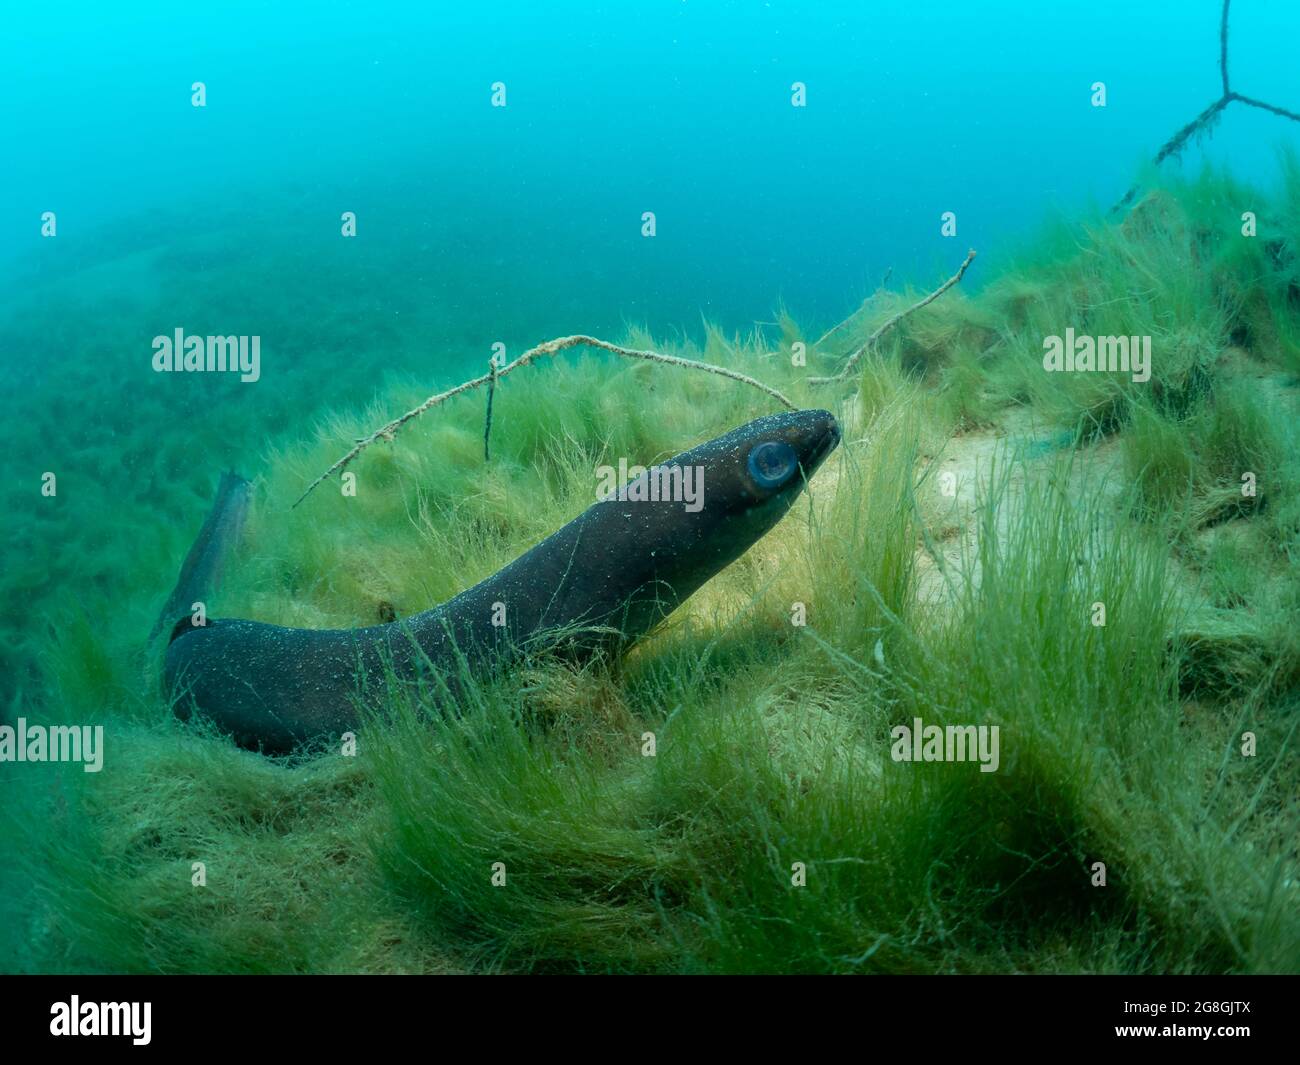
598 583
204 566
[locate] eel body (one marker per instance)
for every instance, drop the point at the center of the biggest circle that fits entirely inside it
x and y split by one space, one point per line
601 581
204 565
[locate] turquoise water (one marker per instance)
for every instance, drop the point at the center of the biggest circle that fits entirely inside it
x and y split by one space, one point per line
128 213
479 224
475 220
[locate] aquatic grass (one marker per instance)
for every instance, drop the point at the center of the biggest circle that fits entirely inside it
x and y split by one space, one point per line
1121 743
1235 456
1160 461
576 888
902 869
966 397
105 863
860 565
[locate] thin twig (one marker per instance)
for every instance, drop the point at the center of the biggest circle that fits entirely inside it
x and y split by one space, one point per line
1201 122
1267 107
1223 48
1175 144
872 340
487 423
1179 140
551 347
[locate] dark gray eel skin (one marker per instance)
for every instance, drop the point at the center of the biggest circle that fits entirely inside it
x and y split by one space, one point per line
203 566
600 582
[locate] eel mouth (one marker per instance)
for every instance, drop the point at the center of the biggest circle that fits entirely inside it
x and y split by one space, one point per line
825 439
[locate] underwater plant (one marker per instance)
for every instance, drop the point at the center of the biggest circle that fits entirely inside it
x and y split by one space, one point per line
955 634
943 571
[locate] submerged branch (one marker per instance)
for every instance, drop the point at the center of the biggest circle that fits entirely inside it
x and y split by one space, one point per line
1223 48
872 340
487 423
1201 122
1250 101
1175 144
551 347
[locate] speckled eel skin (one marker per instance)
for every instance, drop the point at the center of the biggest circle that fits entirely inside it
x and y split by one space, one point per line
603 580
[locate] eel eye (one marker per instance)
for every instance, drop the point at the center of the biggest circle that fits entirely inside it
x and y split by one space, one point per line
771 463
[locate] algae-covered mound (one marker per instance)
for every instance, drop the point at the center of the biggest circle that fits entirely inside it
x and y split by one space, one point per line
1103 568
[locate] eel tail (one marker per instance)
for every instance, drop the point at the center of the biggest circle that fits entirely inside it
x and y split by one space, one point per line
203 567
